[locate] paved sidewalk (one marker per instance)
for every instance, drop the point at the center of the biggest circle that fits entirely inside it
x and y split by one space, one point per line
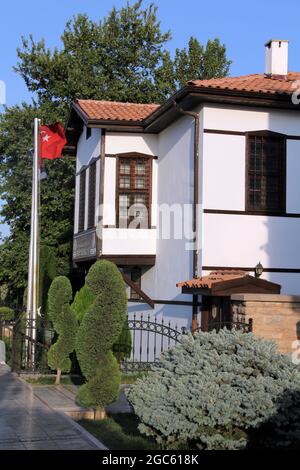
63 398
27 423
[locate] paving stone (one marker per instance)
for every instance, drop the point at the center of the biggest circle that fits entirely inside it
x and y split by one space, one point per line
41 445
27 420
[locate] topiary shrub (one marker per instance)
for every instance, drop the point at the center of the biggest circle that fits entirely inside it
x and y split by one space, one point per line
82 301
65 324
7 314
216 391
99 330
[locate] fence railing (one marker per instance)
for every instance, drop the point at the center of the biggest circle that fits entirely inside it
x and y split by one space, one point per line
27 345
149 339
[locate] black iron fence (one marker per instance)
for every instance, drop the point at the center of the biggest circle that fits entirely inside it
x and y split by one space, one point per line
150 338
27 345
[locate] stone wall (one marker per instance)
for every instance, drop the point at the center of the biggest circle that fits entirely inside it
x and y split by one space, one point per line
275 317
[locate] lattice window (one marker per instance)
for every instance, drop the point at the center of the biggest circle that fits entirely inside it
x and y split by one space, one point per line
266 173
133 198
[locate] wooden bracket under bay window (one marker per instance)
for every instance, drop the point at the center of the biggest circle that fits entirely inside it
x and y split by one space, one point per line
137 289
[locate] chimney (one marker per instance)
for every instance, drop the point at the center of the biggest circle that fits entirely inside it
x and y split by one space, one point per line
277 58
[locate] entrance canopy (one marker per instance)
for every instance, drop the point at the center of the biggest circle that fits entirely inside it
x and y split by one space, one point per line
227 282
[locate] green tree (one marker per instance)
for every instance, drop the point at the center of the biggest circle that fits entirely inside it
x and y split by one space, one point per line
121 57
199 62
65 325
100 328
221 391
15 188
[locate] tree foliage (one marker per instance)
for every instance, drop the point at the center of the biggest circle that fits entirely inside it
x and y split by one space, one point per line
121 57
7 313
65 325
100 328
221 391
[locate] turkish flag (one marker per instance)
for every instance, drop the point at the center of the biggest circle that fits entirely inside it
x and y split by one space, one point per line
52 141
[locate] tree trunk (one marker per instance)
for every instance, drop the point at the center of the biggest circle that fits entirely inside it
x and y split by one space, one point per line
99 413
58 376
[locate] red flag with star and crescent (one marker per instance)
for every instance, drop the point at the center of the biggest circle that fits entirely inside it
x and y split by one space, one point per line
52 141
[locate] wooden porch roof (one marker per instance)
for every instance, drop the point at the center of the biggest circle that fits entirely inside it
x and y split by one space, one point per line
227 282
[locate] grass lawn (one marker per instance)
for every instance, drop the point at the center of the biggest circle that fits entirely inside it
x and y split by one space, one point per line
119 432
128 379
49 379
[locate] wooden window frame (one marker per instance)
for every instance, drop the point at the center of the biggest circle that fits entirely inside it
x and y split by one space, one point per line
282 170
81 201
92 195
132 191
88 132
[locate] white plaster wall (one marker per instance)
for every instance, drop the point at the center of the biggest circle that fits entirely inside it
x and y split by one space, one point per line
243 240
234 118
154 193
175 186
293 176
109 214
224 172
125 142
128 241
88 148
97 213
289 282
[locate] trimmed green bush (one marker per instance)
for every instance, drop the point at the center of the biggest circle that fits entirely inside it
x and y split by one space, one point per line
65 324
7 313
82 301
226 390
100 328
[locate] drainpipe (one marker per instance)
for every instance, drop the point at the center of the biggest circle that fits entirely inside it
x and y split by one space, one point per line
196 118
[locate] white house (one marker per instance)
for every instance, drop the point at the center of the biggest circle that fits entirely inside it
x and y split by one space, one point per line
220 160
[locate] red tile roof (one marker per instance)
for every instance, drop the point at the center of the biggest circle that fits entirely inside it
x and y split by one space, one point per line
136 112
258 83
207 282
115 111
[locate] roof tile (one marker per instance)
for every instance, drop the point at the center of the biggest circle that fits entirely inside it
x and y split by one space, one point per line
206 282
258 83
116 111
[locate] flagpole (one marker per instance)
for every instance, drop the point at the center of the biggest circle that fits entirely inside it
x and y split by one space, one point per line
33 267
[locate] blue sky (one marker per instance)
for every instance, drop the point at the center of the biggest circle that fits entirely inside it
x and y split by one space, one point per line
243 30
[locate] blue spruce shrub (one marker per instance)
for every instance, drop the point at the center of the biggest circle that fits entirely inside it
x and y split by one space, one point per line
226 390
